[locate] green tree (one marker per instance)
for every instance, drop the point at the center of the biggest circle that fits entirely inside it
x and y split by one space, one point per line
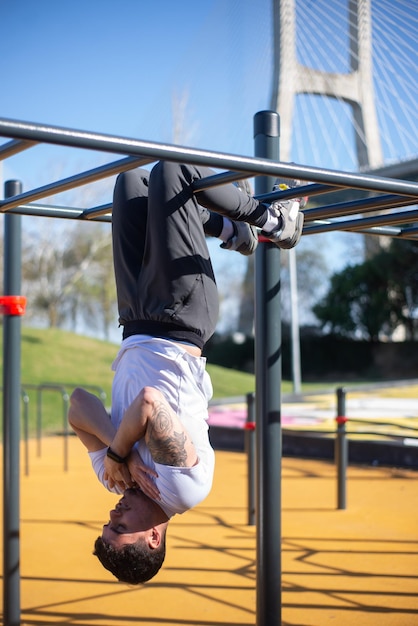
374 297
404 284
68 276
357 303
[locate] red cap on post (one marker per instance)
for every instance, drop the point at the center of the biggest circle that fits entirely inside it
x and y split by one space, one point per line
12 305
341 419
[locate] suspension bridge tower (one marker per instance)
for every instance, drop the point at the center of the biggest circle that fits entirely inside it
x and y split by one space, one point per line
355 87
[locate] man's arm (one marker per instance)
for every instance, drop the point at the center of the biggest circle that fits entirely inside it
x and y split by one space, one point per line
150 416
89 420
91 423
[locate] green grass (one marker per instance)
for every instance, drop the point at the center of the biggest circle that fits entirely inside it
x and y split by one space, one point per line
229 383
61 358
57 356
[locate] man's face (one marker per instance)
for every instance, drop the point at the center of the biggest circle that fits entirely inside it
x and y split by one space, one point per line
129 520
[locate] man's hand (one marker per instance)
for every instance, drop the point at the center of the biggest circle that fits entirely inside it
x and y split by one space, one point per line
141 474
117 474
130 474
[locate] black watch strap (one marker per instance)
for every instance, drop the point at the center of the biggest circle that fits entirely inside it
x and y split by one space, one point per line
115 457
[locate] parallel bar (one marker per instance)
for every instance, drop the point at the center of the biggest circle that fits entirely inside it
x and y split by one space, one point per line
181 154
223 178
11 416
361 223
49 210
352 207
84 178
403 217
374 225
268 371
311 215
385 231
410 231
95 212
310 190
14 147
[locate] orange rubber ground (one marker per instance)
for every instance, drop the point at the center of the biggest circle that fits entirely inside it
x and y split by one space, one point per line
357 567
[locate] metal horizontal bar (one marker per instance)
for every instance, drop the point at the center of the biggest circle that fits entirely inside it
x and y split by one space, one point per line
14 147
311 190
403 217
46 210
84 178
92 214
156 151
352 207
361 223
411 230
325 226
371 225
223 178
375 223
403 233
378 423
388 231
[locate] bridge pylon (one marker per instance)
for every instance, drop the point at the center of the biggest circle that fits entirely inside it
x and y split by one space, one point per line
355 87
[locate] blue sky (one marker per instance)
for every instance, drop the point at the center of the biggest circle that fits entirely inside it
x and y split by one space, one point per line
127 68
120 67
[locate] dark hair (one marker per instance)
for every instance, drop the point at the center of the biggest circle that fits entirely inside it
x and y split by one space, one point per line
134 563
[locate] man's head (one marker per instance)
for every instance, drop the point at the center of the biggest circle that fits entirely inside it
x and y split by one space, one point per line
132 544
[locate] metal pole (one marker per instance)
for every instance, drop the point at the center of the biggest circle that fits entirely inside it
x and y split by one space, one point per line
25 400
294 323
11 415
341 450
39 420
65 431
268 379
251 455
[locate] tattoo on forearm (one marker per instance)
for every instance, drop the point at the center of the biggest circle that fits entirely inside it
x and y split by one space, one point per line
165 444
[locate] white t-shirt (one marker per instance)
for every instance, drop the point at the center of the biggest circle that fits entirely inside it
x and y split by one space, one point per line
184 382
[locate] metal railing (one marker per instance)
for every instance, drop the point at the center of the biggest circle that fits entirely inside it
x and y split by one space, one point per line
39 392
341 441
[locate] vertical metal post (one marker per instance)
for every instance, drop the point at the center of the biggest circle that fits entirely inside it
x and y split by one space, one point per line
11 415
65 431
294 325
25 400
268 368
39 421
341 450
251 455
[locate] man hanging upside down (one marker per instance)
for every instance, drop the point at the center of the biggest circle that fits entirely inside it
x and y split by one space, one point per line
155 448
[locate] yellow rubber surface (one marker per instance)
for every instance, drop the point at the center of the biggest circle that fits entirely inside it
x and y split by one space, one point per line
354 567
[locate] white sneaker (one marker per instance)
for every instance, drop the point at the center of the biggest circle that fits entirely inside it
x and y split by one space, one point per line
244 240
289 230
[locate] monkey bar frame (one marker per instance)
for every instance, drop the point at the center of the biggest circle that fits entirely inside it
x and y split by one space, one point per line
265 167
